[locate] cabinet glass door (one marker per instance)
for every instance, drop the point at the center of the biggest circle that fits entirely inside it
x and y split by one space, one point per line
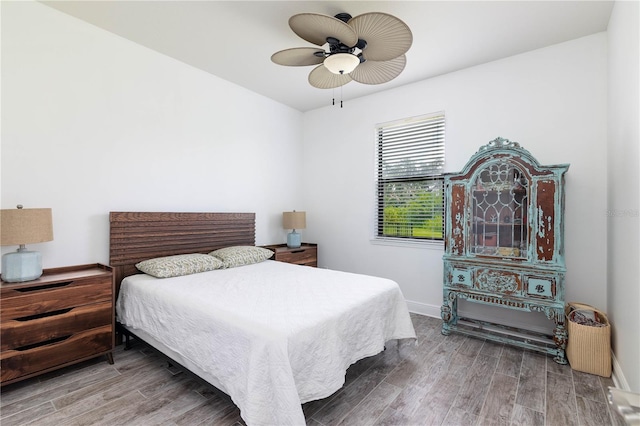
500 206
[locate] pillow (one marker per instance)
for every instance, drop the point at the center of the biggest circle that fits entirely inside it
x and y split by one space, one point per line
241 255
181 264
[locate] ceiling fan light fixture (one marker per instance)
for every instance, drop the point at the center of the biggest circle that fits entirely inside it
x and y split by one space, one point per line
341 63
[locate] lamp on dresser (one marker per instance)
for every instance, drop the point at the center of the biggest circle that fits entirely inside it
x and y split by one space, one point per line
19 227
294 220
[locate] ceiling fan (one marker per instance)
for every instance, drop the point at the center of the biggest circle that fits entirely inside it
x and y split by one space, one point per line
369 48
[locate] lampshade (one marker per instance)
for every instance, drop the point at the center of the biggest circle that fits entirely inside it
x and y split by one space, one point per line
19 227
341 63
294 220
25 226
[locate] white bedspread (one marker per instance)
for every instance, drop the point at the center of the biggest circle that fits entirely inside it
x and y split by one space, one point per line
271 335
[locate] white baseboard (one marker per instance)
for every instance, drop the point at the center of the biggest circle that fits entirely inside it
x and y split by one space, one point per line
424 309
617 375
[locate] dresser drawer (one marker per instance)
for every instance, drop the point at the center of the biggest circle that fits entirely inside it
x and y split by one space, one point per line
35 300
306 254
301 256
29 360
30 330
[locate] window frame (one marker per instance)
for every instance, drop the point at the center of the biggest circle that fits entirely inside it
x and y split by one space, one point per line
379 237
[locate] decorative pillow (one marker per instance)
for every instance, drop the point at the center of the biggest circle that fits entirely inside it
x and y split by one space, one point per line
241 255
181 264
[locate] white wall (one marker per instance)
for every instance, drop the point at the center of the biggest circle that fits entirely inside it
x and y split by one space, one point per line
624 188
552 101
93 123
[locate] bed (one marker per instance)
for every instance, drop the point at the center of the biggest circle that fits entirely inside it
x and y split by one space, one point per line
271 335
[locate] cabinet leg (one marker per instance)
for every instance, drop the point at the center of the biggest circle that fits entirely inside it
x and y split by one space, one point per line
449 312
110 357
560 338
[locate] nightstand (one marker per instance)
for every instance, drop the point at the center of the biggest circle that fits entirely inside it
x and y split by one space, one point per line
306 254
64 317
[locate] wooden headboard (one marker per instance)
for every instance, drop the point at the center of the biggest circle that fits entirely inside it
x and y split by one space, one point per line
137 236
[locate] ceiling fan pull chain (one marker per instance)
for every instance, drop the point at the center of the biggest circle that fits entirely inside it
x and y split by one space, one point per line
340 96
333 95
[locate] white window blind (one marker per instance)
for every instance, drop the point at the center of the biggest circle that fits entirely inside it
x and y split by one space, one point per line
409 181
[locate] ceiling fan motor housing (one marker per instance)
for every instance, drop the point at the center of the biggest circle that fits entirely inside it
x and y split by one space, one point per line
335 46
344 17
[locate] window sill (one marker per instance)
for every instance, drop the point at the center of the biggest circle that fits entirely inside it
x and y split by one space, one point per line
401 242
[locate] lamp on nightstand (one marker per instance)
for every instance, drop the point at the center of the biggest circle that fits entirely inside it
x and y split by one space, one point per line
19 227
294 220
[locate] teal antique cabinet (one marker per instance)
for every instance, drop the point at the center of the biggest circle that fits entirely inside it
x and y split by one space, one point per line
504 244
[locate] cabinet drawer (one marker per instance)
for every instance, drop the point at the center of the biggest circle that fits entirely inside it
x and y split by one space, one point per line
498 281
94 342
542 287
461 276
35 300
26 331
301 256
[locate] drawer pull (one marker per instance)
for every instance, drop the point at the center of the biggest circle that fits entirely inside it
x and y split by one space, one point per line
297 251
44 287
44 315
47 342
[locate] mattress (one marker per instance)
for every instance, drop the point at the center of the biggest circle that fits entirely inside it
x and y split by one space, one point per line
271 335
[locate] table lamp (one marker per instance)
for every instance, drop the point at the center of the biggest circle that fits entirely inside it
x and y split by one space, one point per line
294 220
19 227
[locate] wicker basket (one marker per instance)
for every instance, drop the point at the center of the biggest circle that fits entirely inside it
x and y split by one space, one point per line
589 347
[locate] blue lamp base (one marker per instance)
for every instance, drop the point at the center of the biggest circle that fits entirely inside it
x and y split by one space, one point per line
293 239
21 265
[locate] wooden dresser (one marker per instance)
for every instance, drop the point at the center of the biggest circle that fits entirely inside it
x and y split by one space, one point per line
306 254
64 317
504 244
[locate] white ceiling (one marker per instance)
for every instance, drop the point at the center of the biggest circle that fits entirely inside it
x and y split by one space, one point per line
234 40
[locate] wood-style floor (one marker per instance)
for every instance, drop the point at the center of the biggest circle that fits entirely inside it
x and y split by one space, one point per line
444 380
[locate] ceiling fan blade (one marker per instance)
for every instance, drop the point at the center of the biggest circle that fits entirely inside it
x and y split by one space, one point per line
298 56
387 37
315 28
322 78
378 72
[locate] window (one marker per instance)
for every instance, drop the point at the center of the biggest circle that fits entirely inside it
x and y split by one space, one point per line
409 180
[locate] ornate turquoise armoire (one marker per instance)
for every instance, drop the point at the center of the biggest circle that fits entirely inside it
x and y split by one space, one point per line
504 244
